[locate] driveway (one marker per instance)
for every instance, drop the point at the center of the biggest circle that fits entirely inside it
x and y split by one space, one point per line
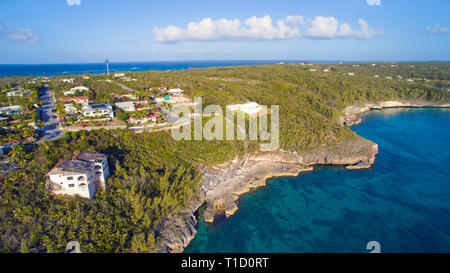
51 130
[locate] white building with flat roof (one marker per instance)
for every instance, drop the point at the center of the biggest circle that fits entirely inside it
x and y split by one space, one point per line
127 106
175 91
83 175
248 108
11 110
79 88
97 110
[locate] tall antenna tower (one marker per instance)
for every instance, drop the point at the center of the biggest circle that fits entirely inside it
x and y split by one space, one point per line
107 66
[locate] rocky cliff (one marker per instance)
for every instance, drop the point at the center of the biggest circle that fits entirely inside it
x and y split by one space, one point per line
222 185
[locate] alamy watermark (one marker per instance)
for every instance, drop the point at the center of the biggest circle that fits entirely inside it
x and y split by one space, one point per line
235 129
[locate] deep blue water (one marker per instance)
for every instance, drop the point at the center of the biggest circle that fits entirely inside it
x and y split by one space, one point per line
99 68
403 201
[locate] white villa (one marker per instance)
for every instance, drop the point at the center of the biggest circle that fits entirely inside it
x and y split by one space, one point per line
175 91
67 80
83 175
248 108
96 110
70 92
73 90
351 74
117 75
17 92
79 88
127 106
10 110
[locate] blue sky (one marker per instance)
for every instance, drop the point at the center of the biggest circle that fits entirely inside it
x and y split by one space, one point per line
73 31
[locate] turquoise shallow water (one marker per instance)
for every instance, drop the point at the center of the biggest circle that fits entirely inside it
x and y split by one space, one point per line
403 201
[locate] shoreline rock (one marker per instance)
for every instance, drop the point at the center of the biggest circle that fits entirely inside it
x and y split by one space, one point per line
351 113
222 185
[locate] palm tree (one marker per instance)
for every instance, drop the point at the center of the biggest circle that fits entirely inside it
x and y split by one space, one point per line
16 153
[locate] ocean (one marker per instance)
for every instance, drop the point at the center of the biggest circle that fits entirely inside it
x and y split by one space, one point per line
100 68
402 202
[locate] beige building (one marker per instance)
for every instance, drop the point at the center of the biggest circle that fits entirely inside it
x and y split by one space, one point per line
83 175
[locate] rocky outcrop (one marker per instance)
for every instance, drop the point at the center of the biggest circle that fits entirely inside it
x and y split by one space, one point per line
351 113
175 233
222 185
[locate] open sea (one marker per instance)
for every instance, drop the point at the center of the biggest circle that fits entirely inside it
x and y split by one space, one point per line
402 202
100 68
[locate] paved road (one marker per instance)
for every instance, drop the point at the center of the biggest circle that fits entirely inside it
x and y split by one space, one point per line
124 87
51 130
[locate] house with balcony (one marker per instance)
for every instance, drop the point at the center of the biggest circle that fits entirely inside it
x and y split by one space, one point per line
98 110
83 175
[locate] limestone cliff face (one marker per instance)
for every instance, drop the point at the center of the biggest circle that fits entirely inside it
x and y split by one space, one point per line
351 113
176 232
222 185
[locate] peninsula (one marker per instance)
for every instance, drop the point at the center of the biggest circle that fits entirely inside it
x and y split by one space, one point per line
158 187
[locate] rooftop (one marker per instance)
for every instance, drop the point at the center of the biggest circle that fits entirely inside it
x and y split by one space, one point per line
90 156
72 166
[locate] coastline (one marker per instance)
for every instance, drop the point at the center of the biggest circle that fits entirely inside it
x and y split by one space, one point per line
222 185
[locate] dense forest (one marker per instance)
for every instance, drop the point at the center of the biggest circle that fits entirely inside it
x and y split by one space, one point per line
154 176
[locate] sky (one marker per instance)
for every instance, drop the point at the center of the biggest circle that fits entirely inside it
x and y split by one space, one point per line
80 31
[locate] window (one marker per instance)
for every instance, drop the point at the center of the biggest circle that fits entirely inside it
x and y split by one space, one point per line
80 178
82 186
71 185
70 178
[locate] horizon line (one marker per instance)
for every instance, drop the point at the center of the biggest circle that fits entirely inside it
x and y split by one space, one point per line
230 60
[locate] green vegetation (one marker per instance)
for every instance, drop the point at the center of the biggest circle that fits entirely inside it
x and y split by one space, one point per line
154 176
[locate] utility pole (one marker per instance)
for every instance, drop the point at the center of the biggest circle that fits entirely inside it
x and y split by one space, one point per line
107 66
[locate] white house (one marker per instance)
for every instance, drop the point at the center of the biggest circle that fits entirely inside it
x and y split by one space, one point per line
175 91
11 110
83 175
410 80
67 80
127 106
351 74
70 92
17 92
117 75
70 108
248 108
79 88
96 110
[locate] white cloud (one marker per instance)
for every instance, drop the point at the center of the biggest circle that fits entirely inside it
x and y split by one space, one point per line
364 33
24 35
73 2
262 28
254 28
373 2
438 30
328 28
322 27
